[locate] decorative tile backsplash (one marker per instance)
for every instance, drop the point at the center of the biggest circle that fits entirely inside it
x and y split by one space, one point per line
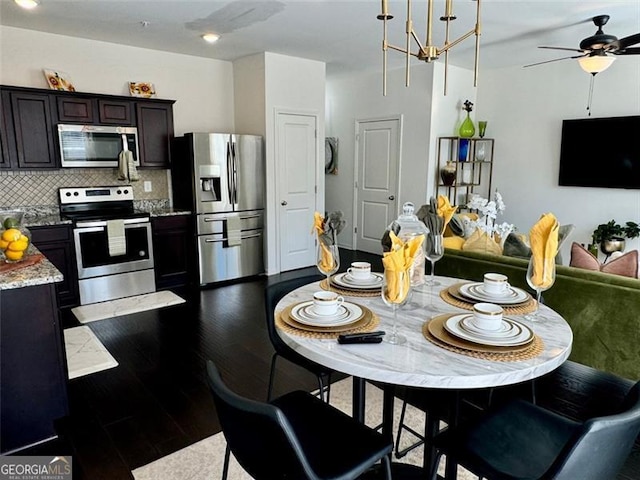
30 188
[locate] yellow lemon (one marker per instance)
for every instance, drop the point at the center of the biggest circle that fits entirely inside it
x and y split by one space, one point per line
3 244
24 238
18 246
11 255
11 235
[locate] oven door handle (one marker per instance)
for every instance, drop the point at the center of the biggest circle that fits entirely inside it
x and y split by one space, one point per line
102 223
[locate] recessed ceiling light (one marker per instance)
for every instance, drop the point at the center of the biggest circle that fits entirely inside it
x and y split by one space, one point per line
28 4
211 37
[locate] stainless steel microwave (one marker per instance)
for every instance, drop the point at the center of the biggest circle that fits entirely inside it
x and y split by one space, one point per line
95 145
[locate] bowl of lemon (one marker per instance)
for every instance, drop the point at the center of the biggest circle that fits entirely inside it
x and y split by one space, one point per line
14 238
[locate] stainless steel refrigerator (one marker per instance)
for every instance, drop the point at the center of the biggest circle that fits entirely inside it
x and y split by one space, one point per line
221 177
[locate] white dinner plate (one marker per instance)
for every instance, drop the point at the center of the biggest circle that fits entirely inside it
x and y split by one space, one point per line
347 281
452 325
347 313
475 291
506 330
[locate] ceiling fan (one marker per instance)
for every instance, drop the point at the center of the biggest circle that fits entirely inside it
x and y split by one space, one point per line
597 52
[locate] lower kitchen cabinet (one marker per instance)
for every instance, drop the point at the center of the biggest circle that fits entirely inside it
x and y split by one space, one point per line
56 243
32 366
173 250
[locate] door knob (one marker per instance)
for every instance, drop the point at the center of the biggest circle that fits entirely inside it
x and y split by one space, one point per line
283 203
391 197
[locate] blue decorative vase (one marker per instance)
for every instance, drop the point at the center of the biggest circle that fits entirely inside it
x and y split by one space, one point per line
467 129
463 150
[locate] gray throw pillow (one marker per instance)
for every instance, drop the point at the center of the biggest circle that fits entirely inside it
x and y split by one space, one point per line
515 247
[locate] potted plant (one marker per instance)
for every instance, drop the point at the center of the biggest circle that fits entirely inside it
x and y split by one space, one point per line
611 235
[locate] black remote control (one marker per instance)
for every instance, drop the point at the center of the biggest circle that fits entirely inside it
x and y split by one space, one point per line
362 339
378 333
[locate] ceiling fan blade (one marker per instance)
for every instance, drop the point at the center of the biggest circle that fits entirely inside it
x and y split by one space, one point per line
565 48
625 42
628 51
554 60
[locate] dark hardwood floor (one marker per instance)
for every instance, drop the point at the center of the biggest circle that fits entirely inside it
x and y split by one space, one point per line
157 401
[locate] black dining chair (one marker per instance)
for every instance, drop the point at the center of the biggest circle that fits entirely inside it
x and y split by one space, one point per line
520 440
296 436
273 294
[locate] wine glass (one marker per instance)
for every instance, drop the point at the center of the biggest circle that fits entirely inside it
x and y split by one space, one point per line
433 250
396 291
548 278
327 260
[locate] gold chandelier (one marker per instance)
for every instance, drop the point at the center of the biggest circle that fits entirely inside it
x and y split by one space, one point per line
428 52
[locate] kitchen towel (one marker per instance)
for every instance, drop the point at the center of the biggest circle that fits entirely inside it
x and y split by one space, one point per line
123 166
115 238
126 167
234 234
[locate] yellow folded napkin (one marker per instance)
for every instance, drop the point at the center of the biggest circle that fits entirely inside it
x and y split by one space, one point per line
397 263
543 238
326 257
445 210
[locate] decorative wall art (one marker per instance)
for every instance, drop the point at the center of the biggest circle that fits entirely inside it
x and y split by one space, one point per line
331 155
58 80
142 89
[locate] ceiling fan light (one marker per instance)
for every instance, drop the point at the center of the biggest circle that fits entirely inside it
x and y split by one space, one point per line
596 63
28 4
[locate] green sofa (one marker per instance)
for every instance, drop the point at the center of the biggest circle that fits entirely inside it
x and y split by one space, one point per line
603 310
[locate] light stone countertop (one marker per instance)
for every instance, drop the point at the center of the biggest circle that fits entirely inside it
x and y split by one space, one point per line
41 273
420 363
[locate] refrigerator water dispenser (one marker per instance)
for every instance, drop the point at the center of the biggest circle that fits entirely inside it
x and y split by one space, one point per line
210 185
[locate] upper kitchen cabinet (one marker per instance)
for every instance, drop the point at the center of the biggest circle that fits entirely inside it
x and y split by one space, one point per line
155 132
29 129
30 118
88 110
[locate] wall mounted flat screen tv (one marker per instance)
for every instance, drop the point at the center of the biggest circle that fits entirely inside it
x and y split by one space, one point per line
601 152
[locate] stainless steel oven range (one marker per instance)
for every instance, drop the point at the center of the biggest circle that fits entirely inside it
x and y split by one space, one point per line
114 249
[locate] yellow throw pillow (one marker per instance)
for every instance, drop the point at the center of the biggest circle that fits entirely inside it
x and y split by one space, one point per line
479 241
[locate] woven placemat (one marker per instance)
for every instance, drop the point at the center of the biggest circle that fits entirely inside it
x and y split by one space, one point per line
351 293
434 331
520 309
369 325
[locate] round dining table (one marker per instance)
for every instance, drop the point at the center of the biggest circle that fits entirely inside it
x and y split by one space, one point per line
419 362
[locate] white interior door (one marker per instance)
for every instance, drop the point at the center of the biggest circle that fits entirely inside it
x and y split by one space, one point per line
296 157
377 165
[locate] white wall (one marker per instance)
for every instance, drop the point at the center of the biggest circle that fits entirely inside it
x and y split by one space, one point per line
249 95
202 88
525 109
269 83
426 113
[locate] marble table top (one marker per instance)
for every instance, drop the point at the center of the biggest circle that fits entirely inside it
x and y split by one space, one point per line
420 363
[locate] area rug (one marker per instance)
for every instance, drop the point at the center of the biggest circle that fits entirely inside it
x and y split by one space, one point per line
204 460
126 306
85 353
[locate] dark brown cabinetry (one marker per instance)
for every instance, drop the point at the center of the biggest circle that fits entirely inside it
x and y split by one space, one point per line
92 111
29 136
114 112
75 110
155 133
29 130
56 243
172 250
32 366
